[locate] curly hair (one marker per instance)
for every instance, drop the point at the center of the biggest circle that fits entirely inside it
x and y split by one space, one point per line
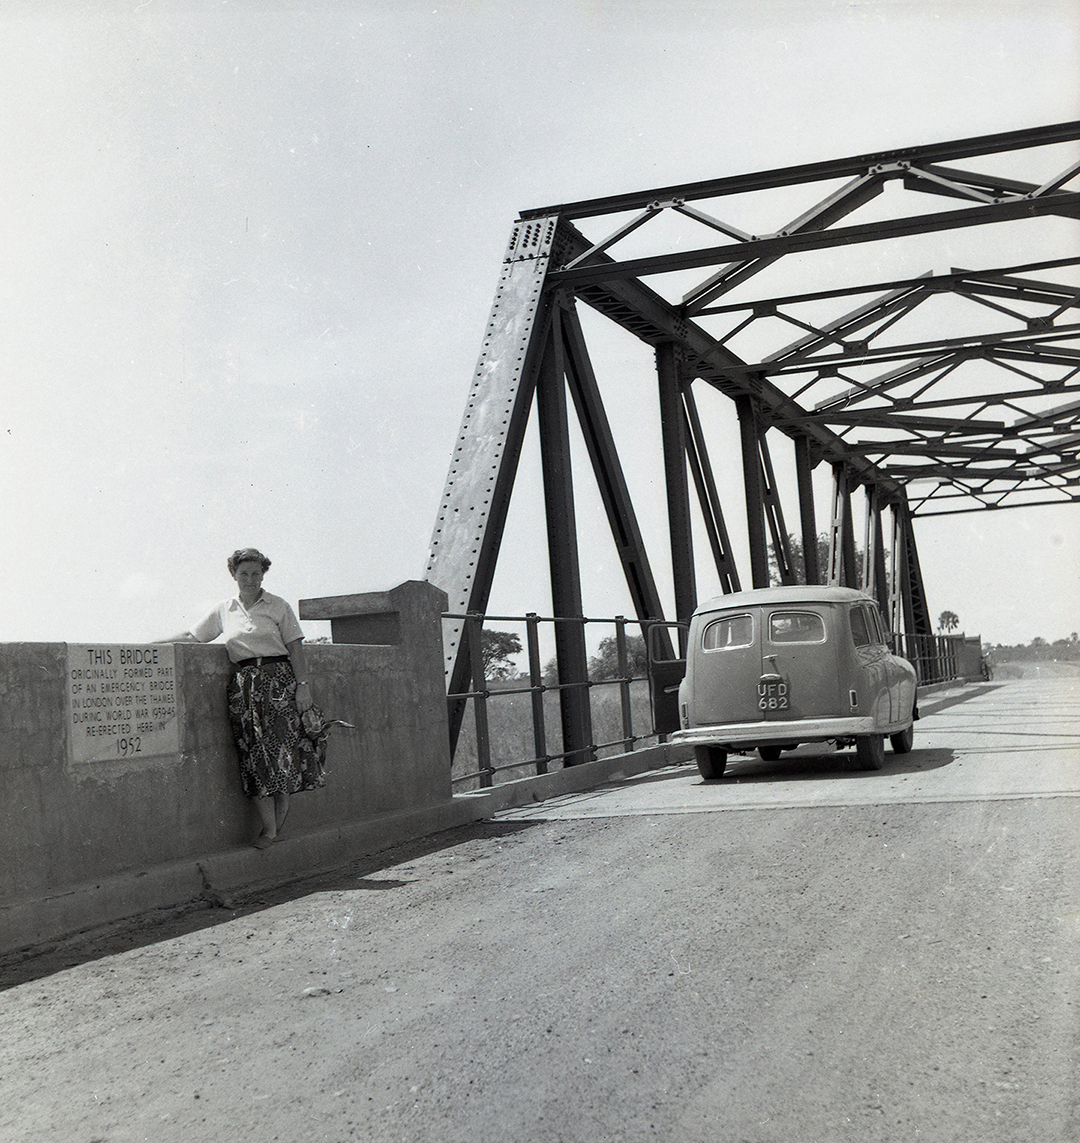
243 555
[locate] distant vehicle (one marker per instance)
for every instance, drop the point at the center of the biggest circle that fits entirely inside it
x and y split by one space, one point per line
773 668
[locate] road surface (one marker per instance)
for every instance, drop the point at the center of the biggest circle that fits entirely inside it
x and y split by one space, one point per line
806 952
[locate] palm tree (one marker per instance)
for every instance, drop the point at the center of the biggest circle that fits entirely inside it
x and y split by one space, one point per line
948 621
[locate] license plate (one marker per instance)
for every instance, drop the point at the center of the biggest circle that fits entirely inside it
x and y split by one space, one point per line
773 696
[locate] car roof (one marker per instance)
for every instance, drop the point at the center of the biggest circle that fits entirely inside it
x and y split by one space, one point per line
797 593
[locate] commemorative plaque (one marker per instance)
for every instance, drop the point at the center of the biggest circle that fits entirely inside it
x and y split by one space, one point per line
121 701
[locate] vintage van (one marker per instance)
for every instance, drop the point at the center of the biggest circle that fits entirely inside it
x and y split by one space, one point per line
772 668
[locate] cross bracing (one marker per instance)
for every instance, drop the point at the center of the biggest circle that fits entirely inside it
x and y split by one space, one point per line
827 303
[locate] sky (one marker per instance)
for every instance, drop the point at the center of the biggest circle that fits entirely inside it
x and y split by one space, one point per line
249 250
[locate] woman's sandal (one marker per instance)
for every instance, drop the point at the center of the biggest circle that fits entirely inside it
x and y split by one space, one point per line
264 841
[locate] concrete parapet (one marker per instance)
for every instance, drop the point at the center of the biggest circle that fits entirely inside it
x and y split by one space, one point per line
83 842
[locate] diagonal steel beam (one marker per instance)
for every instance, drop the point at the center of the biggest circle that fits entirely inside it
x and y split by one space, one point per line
774 515
917 619
607 469
939 282
985 188
711 510
804 241
472 513
838 205
866 354
901 301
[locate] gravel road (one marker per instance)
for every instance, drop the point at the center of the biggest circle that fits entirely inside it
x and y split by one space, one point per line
813 973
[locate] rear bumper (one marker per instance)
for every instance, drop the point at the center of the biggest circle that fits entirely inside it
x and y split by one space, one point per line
747 735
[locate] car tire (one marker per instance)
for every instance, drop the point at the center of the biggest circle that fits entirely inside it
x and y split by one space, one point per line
902 743
870 751
770 753
711 761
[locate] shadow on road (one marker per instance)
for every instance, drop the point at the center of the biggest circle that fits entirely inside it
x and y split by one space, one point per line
930 705
165 924
797 767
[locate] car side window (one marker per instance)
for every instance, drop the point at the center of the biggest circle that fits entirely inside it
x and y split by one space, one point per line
877 626
796 627
859 631
730 631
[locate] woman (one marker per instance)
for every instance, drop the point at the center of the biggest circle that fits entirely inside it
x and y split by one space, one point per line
270 700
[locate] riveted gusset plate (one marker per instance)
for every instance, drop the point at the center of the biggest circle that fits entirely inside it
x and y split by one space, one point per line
472 514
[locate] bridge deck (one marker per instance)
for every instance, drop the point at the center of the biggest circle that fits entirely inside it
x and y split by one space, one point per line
1012 739
903 965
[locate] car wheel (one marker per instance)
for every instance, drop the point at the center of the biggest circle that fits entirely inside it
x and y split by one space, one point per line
870 751
902 743
711 761
770 753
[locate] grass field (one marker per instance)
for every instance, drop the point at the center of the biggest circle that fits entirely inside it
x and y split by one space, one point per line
510 729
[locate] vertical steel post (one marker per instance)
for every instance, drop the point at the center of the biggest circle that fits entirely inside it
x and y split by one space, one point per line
807 517
867 576
474 643
623 661
563 549
843 569
678 490
834 573
851 563
874 577
895 617
536 694
752 481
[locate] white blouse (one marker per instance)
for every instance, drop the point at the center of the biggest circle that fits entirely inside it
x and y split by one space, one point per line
262 629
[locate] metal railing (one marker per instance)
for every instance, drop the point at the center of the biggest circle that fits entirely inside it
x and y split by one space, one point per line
934 657
532 686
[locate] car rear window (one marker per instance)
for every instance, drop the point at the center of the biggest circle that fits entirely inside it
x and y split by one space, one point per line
796 627
731 631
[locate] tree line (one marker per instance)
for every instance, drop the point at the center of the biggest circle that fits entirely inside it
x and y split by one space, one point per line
498 648
1038 648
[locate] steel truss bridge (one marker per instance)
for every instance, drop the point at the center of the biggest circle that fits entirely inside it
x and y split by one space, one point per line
821 301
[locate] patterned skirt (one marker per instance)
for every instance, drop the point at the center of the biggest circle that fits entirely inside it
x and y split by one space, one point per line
278 754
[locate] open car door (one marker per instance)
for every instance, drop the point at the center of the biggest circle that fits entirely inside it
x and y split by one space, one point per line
666 671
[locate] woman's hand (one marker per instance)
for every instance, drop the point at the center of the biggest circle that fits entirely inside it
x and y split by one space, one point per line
304 701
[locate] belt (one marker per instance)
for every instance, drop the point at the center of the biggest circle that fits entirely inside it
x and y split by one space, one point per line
260 659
